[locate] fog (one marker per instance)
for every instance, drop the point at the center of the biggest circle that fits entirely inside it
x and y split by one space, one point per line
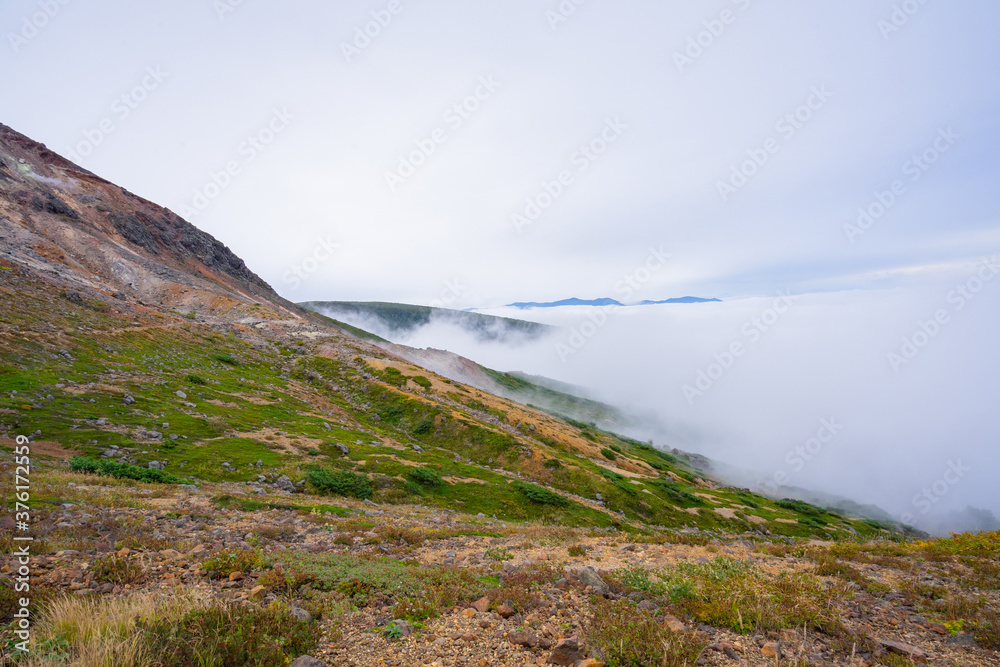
813 401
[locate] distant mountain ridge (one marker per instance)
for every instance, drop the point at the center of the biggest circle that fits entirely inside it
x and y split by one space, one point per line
392 320
605 301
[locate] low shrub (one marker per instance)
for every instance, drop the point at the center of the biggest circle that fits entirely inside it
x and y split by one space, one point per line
340 483
425 476
627 636
94 466
231 635
115 569
228 561
540 495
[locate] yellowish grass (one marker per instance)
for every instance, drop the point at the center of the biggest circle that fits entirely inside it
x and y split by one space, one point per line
103 632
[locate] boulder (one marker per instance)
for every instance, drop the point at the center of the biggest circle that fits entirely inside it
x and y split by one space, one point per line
589 576
567 652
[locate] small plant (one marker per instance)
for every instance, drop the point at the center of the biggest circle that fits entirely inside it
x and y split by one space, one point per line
115 569
648 641
227 359
577 550
609 454
553 464
196 379
498 554
422 381
228 561
191 315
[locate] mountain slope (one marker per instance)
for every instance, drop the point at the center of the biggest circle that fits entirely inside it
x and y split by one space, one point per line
397 319
213 468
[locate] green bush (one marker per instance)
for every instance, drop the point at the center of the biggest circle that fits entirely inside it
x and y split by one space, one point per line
675 492
227 359
392 376
422 381
196 379
340 483
608 454
799 507
425 476
228 561
425 426
540 495
231 635
120 470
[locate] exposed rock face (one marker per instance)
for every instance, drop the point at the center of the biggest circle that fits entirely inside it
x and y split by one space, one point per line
57 215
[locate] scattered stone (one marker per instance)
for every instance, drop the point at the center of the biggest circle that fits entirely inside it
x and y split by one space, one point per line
911 652
482 604
127 399
302 615
306 661
257 593
589 576
505 611
181 394
771 650
566 652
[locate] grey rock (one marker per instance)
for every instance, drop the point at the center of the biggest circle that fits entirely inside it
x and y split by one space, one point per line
589 576
306 661
285 484
302 615
127 399
155 465
343 448
961 640
181 394
188 487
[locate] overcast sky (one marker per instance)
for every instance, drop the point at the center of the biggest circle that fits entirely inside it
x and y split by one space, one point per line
683 116
473 154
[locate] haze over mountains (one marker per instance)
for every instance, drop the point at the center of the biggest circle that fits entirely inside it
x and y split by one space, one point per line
605 301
